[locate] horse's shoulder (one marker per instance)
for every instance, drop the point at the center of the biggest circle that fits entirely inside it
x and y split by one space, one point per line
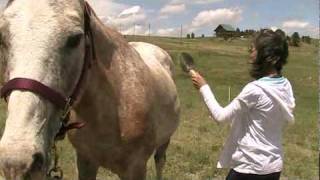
133 112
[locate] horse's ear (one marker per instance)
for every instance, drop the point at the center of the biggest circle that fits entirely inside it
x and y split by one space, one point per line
88 13
89 9
9 3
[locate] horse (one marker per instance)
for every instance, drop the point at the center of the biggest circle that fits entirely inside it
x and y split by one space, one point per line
61 66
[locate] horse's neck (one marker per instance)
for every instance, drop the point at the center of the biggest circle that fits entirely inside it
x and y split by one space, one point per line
118 64
109 43
114 52
119 82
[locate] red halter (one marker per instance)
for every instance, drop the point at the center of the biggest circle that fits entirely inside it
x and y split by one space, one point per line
61 101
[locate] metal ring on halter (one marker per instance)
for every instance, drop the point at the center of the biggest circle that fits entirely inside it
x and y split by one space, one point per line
56 173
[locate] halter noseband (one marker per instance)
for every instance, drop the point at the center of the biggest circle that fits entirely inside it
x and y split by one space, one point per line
61 101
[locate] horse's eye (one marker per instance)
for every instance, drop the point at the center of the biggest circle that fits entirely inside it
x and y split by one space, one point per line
74 41
1 41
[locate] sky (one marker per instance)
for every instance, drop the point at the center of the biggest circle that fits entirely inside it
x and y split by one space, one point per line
165 17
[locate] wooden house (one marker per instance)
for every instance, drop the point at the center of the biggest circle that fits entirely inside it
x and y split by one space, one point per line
225 31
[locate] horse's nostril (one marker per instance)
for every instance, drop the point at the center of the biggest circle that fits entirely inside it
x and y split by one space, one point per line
38 162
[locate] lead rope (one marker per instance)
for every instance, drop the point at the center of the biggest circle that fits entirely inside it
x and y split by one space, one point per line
55 172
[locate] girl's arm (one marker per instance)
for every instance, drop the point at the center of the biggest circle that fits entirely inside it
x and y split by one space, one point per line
220 114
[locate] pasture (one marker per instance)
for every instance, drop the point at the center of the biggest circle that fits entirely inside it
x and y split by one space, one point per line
195 146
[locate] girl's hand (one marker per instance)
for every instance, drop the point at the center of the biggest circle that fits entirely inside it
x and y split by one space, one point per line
197 80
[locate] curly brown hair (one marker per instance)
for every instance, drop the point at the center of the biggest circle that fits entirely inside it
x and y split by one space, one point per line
272 52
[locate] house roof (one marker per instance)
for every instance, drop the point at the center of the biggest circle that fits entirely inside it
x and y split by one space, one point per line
226 27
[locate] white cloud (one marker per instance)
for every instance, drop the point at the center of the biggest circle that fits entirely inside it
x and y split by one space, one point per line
121 16
303 27
218 16
130 11
125 20
295 24
172 9
196 1
131 15
179 6
205 19
168 32
205 1
274 28
136 30
107 8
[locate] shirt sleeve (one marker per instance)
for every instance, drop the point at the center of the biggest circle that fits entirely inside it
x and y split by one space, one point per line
249 96
220 114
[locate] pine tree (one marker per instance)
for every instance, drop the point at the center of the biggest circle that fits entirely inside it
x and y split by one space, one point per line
192 35
295 39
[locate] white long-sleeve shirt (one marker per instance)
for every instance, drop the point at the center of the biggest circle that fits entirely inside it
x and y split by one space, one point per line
257 115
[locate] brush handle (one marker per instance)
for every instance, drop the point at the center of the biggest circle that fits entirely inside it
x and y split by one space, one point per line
192 72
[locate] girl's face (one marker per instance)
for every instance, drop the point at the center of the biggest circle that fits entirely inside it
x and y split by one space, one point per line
253 54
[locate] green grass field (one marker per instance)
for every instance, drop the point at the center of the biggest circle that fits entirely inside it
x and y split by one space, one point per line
196 144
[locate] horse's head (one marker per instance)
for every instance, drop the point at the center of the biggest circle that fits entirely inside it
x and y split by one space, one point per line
43 41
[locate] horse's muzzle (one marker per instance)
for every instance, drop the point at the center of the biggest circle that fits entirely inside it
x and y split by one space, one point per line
21 166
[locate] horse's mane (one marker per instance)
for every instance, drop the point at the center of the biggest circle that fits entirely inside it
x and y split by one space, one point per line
4 49
111 33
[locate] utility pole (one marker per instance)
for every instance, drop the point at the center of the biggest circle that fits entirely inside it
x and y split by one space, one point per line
181 34
134 31
229 94
149 29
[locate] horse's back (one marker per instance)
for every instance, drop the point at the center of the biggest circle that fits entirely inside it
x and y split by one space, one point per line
152 54
167 106
161 68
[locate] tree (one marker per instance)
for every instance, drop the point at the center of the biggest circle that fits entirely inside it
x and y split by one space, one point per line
306 39
280 32
295 39
202 36
289 40
188 36
192 35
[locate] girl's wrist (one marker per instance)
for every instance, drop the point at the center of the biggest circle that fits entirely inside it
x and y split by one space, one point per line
204 87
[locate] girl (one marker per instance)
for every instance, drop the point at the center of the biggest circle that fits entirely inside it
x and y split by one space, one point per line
253 149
